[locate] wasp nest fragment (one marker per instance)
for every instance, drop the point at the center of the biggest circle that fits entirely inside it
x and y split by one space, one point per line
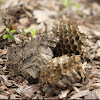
63 72
70 52
71 40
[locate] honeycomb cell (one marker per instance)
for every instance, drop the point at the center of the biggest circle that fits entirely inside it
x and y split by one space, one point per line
61 39
64 36
79 42
68 46
70 52
64 27
82 35
69 31
74 30
79 48
65 41
70 36
65 31
76 37
60 31
76 52
63 46
71 41
74 47
65 51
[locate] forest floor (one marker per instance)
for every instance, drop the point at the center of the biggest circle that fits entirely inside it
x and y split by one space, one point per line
43 15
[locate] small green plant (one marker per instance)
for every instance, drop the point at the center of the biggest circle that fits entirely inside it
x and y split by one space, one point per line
66 3
81 14
1 0
8 35
33 32
23 31
77 5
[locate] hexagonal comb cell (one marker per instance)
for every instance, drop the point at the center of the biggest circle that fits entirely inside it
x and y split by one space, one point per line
74 47
71 41
70 36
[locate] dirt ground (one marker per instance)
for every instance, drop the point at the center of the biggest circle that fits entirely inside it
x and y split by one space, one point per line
43 15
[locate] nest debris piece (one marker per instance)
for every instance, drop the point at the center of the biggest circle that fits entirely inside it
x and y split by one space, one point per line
27 58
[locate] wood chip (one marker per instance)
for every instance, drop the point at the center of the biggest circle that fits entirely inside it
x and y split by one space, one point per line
27 91
2 52
2 61
3 96
80 94
76 89
24 21
95 94
96 85
63 94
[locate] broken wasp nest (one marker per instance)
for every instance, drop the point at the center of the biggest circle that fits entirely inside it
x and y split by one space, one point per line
71 40
67 67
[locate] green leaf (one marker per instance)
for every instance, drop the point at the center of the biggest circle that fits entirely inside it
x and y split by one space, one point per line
33 32
7 29
5 36
12 31
1 0
77 5
9 37
66 3
23 31
12 37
